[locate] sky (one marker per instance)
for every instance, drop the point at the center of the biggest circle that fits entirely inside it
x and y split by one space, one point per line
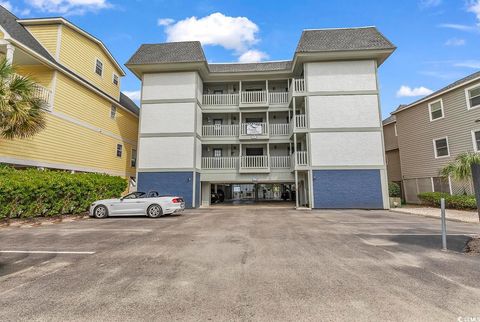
438 40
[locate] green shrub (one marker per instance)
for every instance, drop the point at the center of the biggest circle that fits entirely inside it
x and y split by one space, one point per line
394 190
31 193
462 202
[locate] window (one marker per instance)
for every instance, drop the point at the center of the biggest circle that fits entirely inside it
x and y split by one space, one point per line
476 140
119 150
113 112
436 110
133 160
473 97
115 79
217 153
99 67
441 148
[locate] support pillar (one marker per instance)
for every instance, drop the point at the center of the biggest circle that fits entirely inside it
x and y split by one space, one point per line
10 52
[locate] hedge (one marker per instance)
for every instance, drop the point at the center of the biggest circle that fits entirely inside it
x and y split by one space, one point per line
33 193
461 202
394 190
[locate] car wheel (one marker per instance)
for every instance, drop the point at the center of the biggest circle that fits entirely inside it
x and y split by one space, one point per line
100 212
154 211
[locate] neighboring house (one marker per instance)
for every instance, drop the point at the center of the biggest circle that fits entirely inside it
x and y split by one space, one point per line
311 124
91 125
392 153
432 132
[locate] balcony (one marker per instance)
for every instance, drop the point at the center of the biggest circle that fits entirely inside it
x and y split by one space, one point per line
280 129
254 131
220 130
220 163
43 93
280 162
299 85
254 164
254 98
220 99
300 123
299 159
277 98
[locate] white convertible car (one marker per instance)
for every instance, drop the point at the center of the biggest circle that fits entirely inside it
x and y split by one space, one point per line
138 204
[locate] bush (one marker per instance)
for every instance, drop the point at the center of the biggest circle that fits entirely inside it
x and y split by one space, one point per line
394 190
33 193
462 202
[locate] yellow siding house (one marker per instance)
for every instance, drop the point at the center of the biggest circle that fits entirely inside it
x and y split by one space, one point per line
91 125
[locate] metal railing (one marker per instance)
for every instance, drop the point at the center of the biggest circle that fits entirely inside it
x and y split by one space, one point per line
220 130
254 162
254 129
219 162
254 97
280 162
278 97
43 93
280 129
220 99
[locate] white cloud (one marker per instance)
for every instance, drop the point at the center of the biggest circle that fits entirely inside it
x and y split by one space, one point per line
165 21
134 95
475 64
232 33
407 91
430 3
474 7
252 56
455 42
457 26
68 7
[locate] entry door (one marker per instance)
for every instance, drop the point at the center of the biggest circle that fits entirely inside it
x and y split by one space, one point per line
253 151
217 126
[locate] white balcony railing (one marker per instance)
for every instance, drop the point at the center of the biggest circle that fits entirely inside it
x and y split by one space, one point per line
254 162
43 93
280 162
254 97
220 130
278 98
219 162
220 99
254 129
301 121
302 158
279 129
299 85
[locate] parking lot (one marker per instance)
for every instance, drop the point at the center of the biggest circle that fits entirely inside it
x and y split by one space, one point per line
240 263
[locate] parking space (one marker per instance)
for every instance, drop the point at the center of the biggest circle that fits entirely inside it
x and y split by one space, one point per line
240 263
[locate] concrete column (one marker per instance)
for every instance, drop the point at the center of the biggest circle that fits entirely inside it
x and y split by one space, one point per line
10 51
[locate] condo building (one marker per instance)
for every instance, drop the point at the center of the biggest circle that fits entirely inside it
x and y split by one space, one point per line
309 127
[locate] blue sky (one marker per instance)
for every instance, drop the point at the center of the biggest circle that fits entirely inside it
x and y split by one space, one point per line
438 40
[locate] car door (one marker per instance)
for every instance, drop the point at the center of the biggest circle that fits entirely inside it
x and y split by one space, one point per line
129 205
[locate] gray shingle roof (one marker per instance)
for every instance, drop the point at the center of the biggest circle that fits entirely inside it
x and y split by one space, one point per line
389 120
444 89
9 22
325 40
173 52
126 102
251 67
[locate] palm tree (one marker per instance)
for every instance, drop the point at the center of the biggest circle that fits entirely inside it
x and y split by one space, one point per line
461 168
22 112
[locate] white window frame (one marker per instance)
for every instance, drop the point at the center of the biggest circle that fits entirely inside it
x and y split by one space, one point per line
131 157
114 116
95 67
467 96
474 141
113 80
435 148
121 151
430 110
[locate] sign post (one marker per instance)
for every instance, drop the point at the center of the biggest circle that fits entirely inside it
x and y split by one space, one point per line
444 225
476 185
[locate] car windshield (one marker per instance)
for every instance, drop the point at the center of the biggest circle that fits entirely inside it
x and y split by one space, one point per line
135 195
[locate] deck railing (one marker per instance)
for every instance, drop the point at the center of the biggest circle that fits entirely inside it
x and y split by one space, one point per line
43 93
280 162
278 98
219 162
279 129
299 85
254 97
301 121
254 129
220 99
254 162
220 130
302 158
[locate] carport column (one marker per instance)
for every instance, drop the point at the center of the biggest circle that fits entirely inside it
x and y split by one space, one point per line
296 189
9 55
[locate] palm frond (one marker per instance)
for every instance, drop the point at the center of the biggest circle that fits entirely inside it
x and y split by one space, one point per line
461 168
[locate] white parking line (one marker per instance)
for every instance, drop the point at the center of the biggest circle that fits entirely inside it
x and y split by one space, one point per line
44 252
414 234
